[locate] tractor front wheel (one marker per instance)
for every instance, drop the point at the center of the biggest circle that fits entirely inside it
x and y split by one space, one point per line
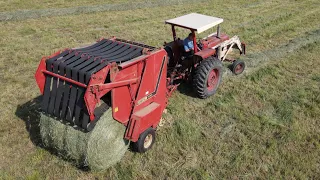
238 67
208 77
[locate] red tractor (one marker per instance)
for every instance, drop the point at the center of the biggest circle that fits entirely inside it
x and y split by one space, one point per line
135 80
204 66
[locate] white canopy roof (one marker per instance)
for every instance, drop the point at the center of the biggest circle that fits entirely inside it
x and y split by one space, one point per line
195 21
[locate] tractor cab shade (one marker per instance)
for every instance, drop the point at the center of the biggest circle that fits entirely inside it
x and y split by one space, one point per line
195 23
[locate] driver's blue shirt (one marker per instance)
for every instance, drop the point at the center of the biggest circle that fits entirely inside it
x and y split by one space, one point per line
187 44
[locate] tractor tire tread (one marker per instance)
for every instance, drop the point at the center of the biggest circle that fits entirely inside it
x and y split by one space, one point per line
201 76
235 64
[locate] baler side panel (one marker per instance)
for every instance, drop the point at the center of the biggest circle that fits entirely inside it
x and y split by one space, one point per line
139 121
161 95
122 101
148 83
143 119
122 96
152 81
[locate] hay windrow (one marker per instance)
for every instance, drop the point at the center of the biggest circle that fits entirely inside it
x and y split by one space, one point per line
255 60
99 149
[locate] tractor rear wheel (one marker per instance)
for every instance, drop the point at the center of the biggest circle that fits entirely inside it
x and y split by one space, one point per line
207 77
98 149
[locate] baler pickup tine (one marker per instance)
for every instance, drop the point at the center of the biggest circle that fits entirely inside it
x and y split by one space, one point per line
59 98
125 53
85 120
84 70
46 94
73 95
110 49
51 60
55 84
47 89
132 55
97 48
79 106
72 101
66 94
92 45
61 89
123 49
103 50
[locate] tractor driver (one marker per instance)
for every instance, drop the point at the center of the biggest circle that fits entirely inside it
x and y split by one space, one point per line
188 45
187 53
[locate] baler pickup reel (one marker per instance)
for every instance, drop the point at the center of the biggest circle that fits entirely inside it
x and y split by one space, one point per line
73 81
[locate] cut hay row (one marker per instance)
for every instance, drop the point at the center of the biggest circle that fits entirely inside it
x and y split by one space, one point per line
256 60
260 58
34 14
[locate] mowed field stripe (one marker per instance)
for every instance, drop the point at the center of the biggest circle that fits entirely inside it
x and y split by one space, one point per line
33 14
255 61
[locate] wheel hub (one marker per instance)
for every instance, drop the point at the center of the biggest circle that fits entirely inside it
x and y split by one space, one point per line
148 141
239 68
212 79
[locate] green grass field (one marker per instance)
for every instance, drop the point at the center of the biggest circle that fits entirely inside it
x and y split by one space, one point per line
262 124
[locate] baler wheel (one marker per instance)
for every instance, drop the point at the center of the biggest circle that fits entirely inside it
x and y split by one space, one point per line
238 67
207 77
145 141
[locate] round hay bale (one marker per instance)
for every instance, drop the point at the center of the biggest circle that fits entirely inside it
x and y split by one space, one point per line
44 124
57 134
99 149
75 144
105 148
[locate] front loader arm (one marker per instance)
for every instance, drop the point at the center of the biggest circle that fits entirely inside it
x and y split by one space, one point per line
226 47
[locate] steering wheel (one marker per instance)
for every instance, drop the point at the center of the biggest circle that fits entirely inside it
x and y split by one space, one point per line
199 44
